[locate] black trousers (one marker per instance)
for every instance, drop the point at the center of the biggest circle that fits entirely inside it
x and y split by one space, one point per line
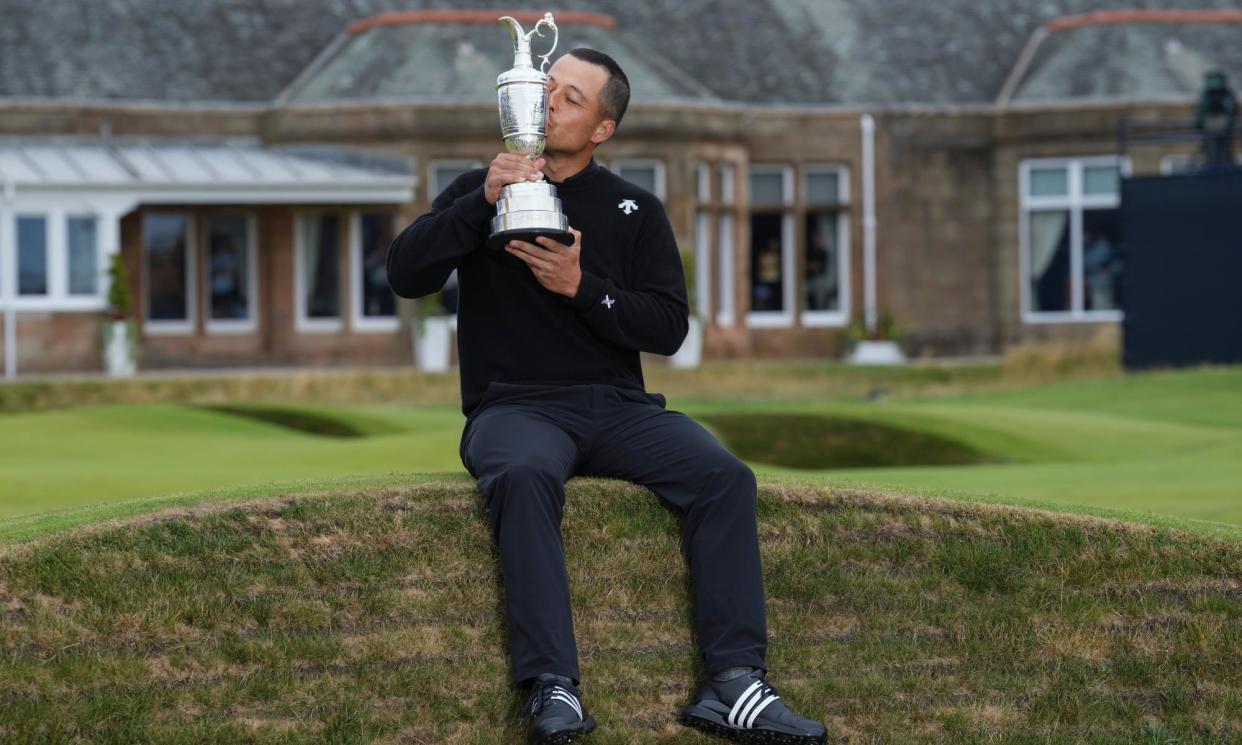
524 442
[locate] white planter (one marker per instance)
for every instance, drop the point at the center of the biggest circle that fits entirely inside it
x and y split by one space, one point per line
433 347
118 354
691 352
877 353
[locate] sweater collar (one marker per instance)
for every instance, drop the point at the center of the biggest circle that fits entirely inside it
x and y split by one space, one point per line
589 170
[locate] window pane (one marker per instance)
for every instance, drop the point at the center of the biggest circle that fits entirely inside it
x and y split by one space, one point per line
1101 261
444 174
1101 180
1049 182
1049 260
31 255
83 255
166 248
725 290
700 284
228 261
640 176
767 188
823 290
767 280
823 188
726 184
703 182
377 299
321 268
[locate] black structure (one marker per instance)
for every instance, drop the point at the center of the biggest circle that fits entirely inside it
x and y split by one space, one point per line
1182 238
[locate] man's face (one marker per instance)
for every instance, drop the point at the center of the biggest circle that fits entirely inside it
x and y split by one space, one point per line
576 116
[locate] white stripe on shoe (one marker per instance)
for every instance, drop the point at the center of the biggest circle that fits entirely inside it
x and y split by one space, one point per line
560 694
750 722
740 707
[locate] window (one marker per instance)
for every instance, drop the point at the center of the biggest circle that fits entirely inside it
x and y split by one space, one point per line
375 306
702 279
318 273
771 246
725 173
443 172
231 270
825 245
646 173
82 236
32 274
724 313
1070 261
168 272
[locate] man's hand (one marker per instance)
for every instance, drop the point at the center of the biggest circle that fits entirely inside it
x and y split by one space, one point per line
555 265
510 168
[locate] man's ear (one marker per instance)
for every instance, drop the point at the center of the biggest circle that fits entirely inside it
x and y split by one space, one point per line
603 131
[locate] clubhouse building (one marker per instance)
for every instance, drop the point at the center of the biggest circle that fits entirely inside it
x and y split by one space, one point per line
825 163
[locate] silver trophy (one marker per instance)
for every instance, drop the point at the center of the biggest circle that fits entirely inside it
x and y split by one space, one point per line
529 209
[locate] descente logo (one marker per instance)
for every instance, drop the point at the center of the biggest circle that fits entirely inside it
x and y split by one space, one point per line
627 206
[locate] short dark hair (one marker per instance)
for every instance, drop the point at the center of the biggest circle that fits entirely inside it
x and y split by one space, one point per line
615 94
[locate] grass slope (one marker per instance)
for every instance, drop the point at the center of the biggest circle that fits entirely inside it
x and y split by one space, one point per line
371 613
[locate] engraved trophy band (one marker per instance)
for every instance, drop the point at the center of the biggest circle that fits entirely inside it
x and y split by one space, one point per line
529 209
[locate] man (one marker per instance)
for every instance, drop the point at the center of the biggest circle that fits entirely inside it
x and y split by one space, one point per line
549 337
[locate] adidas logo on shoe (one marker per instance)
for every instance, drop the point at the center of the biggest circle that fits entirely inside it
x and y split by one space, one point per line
748 709
555 712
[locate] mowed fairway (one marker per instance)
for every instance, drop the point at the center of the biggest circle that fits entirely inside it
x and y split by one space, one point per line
1160 443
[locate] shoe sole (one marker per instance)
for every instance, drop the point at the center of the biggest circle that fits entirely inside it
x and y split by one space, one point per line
749 736
564 736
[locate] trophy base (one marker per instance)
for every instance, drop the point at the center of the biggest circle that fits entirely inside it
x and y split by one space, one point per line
526 211
497 241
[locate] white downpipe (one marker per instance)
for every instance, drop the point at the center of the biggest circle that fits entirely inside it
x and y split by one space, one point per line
8 283
869 221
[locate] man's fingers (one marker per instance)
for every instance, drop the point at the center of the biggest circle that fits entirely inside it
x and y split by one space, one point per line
529 253
553 245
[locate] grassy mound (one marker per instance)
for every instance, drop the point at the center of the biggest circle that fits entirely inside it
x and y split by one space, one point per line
818 441
374 615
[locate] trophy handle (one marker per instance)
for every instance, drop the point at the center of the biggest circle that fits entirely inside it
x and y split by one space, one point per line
545 21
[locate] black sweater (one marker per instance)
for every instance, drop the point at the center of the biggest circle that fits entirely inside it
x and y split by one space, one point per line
510 329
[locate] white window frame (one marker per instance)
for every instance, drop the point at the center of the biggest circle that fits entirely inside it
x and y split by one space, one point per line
1075 202
357 321
831 318
57 297
657 166
302 323
726 229
234 326
434 187
778 318
172 328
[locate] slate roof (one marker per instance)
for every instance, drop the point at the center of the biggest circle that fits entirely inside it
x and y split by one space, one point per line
754 51
460 62
1130 61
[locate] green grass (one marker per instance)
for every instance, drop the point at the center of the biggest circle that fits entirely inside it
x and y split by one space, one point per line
369 611
1151 445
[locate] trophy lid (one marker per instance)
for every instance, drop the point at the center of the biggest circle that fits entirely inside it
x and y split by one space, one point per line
521 41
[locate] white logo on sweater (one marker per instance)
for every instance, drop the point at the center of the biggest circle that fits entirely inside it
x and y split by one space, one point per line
627 206
607 301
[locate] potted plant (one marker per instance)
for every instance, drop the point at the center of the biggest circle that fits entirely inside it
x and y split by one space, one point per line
120 331
878 346
691 352
435 320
